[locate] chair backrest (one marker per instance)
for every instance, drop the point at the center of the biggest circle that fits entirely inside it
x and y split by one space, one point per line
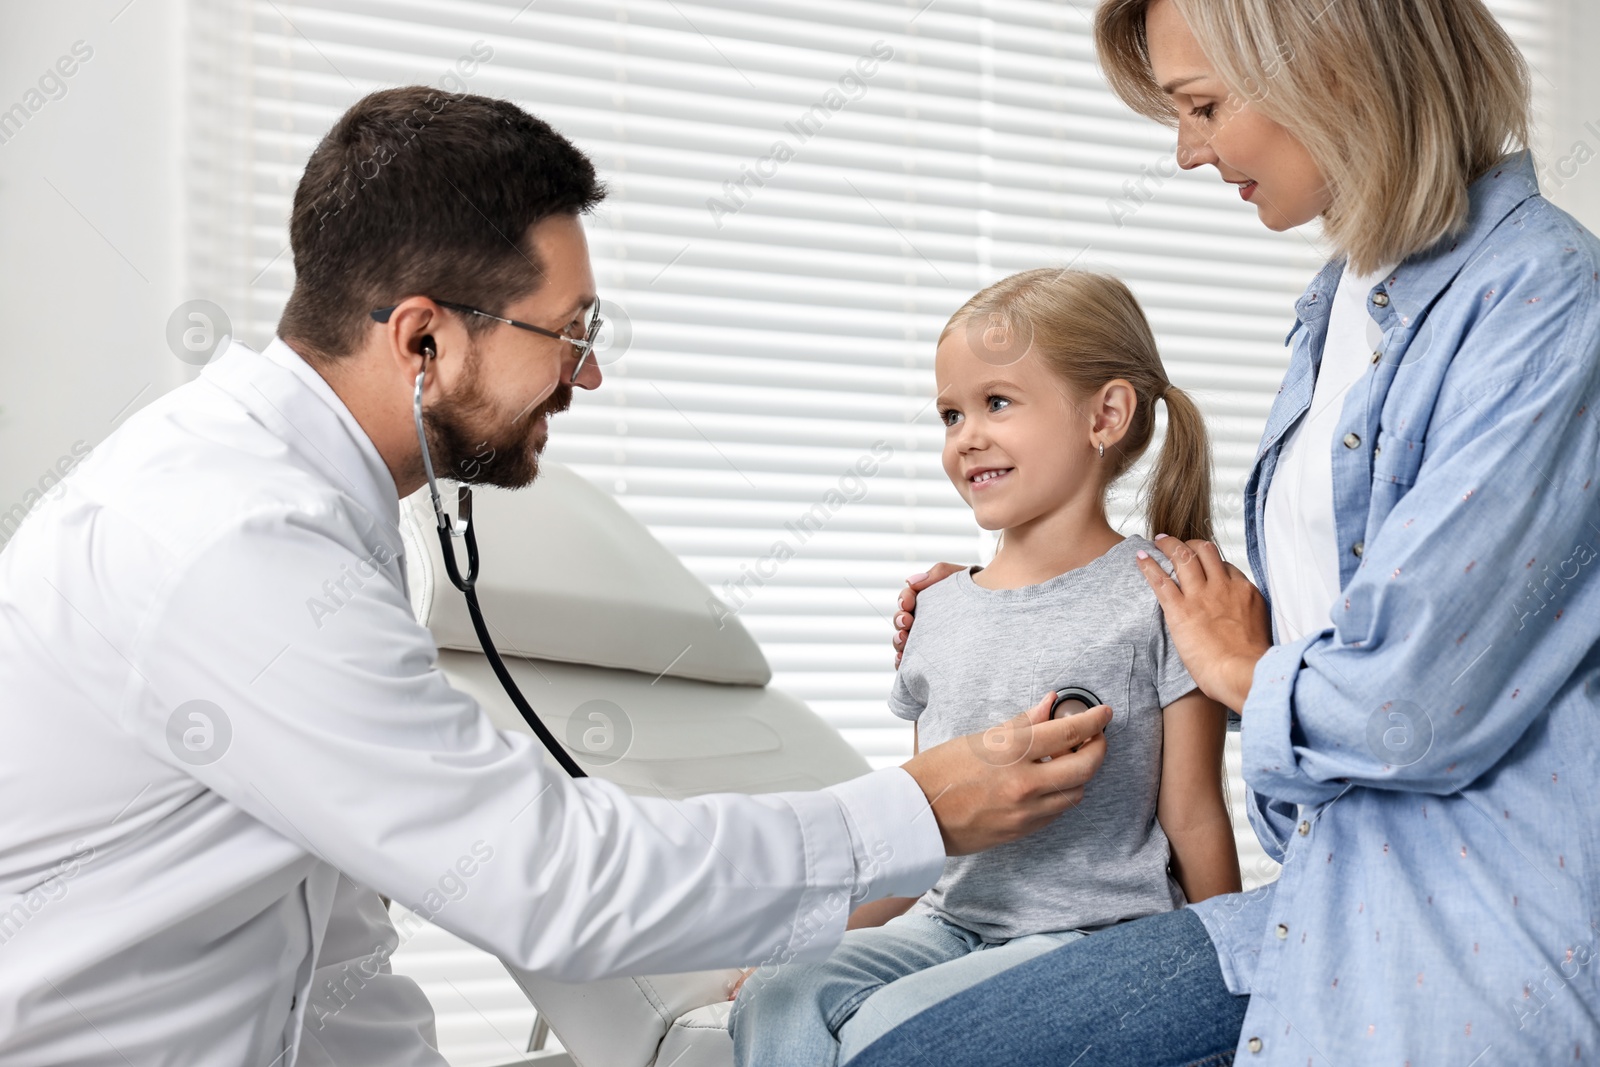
569 575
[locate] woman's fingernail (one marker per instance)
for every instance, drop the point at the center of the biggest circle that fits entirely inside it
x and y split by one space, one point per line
915 578
1142 554
1159 536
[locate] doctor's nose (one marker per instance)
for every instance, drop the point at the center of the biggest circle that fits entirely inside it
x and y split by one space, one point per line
589 375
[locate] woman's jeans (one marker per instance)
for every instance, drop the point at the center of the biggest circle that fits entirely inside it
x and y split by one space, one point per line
1146 992
822 1014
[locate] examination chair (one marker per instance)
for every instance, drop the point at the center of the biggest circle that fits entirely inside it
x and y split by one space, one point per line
586 606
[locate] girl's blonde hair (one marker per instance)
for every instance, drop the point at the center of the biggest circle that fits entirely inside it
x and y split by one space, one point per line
1401 103
1089 329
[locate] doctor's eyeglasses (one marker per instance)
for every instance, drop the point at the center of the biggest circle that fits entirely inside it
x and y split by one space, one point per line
584 345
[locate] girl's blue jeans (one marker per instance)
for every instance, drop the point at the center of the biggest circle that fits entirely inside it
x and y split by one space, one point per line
822 1014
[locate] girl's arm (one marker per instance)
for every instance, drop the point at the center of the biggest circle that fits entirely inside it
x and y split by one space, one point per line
878 912
1190 807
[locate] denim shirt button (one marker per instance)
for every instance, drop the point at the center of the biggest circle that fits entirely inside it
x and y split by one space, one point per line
1351 440
1283 931
1357 547
1254 1044
1304 828
1377 354
1381 299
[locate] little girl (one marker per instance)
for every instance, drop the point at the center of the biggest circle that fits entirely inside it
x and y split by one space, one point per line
1047 385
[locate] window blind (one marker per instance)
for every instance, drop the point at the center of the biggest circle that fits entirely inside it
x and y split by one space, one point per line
801 194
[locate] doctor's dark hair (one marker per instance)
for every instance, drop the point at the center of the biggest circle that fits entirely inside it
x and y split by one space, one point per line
1089 329
420 192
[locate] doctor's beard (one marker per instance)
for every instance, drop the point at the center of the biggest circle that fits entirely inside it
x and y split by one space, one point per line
471 440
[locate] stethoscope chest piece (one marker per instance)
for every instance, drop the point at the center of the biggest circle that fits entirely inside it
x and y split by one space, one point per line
1068 696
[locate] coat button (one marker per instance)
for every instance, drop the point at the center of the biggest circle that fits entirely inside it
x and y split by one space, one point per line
1381 299
1254 1044
1304 828
1283 931
1351 440
1357 547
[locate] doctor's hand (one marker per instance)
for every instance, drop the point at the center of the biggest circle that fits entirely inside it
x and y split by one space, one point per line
908 602
992 787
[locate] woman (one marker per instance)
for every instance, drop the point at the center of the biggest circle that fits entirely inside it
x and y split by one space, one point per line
1418 687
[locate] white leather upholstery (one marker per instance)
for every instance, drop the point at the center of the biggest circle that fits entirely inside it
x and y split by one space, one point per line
687 737
569 575
668 1021
675 735
698 1038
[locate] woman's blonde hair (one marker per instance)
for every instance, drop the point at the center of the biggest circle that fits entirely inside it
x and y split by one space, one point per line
1089 329
1401 103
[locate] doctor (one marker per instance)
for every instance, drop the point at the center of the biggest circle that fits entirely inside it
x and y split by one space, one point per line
204 788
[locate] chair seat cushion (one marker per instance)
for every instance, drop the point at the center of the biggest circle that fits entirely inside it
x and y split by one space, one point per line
698 1038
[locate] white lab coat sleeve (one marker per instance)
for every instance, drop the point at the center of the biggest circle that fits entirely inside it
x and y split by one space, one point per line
359 1012
344 736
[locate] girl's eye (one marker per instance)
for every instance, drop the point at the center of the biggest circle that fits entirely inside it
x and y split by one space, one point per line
1204 112
993 400
948 416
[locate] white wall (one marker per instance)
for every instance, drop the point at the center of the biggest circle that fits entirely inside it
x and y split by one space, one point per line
89 227
1570 176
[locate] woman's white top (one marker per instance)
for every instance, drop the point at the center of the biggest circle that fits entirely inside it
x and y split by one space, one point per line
1298 532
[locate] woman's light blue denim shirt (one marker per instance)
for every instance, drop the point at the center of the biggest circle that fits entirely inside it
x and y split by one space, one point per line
1426 767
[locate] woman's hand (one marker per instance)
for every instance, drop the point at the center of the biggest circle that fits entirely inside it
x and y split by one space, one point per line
1218 618
908 602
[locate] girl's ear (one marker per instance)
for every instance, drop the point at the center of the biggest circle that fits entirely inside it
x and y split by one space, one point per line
1114 410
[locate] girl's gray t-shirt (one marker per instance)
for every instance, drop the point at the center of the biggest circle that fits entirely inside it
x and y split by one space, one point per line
977 657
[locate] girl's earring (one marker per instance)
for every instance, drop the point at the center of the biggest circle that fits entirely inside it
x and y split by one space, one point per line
1102 450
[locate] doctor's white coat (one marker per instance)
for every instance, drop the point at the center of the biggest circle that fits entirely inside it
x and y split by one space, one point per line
204 785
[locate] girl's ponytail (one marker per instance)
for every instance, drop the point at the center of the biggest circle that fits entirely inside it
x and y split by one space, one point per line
1178 501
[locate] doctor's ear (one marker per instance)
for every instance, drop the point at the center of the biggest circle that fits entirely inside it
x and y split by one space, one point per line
429 350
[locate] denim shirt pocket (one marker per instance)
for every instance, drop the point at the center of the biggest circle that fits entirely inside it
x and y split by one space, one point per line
1104 669
1396 460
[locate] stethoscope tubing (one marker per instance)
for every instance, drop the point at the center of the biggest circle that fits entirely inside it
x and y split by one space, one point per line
468 586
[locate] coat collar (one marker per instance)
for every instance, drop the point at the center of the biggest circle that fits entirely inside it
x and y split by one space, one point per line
300 408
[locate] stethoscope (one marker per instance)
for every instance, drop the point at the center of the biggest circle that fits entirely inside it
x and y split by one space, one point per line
467 584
